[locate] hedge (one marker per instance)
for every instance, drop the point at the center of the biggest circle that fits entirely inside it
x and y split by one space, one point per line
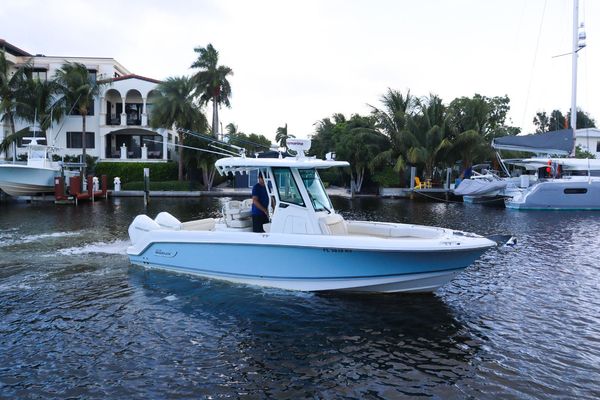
175 186
131 172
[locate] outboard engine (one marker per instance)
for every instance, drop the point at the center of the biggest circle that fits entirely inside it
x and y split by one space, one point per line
140 225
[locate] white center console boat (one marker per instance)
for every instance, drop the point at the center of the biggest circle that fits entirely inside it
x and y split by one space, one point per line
307 245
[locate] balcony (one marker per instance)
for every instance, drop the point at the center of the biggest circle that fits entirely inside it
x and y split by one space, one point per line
113 120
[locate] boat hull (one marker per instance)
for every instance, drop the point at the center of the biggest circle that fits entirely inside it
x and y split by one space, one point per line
23 180
311 268
559 194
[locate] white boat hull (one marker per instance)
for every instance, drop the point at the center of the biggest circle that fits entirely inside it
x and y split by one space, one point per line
421 262
23 180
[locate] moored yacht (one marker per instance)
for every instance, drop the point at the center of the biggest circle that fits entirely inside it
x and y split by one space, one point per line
307 245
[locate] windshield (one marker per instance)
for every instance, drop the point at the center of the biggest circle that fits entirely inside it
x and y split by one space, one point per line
316 191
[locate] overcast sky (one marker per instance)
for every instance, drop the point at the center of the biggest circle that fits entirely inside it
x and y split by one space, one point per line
297 62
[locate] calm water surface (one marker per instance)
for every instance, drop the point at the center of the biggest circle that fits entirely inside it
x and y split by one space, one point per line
77 321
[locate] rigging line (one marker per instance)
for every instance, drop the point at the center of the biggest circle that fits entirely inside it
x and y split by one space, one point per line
206 138
190 147
537 45
65 120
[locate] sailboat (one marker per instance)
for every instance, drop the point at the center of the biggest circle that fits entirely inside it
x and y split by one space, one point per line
564 183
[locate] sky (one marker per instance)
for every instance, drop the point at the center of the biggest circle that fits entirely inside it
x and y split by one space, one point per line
298 62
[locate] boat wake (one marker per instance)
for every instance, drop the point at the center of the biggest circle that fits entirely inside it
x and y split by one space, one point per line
9 239
116 247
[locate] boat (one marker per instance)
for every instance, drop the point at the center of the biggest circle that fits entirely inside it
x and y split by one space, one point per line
487 186
571 184
559 182
307 245
34 177
563 183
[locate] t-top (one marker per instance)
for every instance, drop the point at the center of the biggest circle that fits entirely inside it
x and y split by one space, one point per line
260 191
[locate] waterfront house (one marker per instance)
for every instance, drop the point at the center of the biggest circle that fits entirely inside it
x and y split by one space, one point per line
117 125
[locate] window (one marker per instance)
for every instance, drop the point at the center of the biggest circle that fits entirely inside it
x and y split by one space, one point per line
316 191
39 74
74 140
576 191
286 186
598 146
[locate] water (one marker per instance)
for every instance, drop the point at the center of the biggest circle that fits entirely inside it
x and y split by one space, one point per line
77 321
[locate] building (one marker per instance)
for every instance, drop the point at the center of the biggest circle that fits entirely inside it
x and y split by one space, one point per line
117 125
589 140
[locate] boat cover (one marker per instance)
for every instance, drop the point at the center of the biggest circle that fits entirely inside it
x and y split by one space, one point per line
555 142
479 187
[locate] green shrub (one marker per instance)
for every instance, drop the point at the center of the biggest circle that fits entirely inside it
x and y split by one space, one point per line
386 177
163 185
132 172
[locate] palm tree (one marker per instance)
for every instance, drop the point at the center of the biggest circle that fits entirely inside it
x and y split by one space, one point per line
393 120
176 108
78 89
428 128
38 104
211 81
11 85
282 136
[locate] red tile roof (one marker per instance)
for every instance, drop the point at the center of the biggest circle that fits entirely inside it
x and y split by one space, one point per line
12 49
133 76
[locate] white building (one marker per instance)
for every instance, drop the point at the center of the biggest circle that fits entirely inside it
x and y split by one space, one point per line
589 140
117 125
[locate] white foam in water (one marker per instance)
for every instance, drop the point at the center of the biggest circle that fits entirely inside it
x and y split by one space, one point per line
171 298
116 247
32 238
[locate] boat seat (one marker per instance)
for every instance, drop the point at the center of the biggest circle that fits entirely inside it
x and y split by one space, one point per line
267 227
236 215
206 224
333 224
247 203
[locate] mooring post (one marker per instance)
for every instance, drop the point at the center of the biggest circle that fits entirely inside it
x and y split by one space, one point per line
146 186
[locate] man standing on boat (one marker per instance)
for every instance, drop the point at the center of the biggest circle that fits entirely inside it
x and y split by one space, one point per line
260 203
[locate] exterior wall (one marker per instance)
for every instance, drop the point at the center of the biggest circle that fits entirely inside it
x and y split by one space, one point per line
126 89
588 139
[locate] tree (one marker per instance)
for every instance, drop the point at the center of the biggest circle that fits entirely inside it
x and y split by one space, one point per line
393 121
357 141
211 81
253 143
541 122
175 108
558 121
584 120
485 115
11 85
428 128
282 135
78 89
38 104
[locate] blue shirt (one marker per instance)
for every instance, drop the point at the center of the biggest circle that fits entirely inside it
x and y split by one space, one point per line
260 191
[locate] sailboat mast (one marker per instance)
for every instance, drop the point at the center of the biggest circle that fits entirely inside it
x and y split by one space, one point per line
574 72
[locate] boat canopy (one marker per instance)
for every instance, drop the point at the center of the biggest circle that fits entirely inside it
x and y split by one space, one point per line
567 164
241 164
555 142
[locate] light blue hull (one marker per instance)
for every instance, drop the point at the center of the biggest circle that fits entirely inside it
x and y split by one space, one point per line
559 195
311 268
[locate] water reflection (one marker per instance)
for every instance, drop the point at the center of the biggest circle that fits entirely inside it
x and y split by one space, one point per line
317 343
